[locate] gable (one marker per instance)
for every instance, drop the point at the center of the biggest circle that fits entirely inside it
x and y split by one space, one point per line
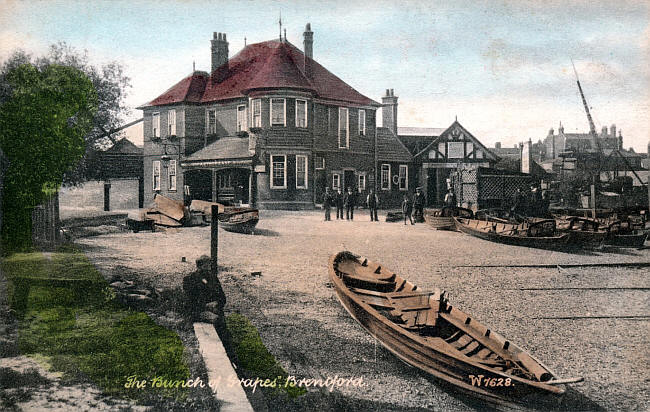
456 144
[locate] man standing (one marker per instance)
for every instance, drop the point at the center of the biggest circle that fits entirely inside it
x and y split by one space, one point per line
418 205
407 209
373 202
349 202
450 199
328 200
339 204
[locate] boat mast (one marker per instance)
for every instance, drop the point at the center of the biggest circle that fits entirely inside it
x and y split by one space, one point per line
592 127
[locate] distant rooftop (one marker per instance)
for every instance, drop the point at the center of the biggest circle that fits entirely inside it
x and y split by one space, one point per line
420 131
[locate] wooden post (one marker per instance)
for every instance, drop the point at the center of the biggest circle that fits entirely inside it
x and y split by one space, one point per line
214 241
251 201
593 201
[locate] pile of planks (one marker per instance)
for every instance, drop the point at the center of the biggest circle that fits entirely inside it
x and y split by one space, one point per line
167 212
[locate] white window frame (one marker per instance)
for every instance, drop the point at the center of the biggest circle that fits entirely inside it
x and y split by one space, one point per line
155 124
306 117
241 119
207 122
336 181
256 113
362 122
155 174
302 159
272 171
318 166
180 118
171 173
347 127
382 176
404 187
171 122
361 181
284 117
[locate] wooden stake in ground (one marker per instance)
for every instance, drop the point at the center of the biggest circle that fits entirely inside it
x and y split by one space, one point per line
214 241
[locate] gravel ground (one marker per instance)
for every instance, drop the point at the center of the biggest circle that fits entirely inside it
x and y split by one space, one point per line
304 326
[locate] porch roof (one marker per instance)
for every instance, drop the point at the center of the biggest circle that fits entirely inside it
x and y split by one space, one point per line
225 148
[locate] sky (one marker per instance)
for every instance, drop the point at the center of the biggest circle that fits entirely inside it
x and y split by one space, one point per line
503 68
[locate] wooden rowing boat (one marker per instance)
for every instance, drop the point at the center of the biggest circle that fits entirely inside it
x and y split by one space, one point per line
239 219
622 234
584 232
427 332
443 219
541 234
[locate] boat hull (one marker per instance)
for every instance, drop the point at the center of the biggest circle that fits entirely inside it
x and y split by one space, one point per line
435 356
239 220
541 242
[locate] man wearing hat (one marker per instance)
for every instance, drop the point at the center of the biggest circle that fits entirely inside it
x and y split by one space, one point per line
418 205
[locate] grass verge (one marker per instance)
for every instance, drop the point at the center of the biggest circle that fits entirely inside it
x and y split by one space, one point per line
86 333
254 357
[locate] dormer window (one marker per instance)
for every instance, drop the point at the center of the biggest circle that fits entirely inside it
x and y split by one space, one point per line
155 124
301 113
241 118
278 112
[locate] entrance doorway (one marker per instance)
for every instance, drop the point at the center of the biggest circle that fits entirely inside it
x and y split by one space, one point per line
437 185
348 179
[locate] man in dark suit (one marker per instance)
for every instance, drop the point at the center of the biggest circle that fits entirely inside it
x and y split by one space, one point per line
328 201
350 201
373 202
338 199
418 205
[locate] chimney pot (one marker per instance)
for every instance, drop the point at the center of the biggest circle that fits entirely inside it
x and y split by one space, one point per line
389 111
219 51
308 43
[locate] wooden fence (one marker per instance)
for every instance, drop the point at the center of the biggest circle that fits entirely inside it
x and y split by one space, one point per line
45 223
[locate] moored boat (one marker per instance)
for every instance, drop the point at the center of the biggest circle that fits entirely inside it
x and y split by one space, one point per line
540 234
426 331
622 234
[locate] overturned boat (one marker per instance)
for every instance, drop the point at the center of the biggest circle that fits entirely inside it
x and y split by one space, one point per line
239 219
427 332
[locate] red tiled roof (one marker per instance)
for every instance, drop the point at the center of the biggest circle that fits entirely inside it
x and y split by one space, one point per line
270 64
190 90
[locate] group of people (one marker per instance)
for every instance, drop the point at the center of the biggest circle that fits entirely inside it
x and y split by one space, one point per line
413 210
348 201
531 203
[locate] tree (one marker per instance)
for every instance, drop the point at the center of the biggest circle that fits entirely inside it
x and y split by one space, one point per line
55 111
42 129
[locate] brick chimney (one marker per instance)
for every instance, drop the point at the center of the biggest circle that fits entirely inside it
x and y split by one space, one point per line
389 110
308 43
612 130
219 53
